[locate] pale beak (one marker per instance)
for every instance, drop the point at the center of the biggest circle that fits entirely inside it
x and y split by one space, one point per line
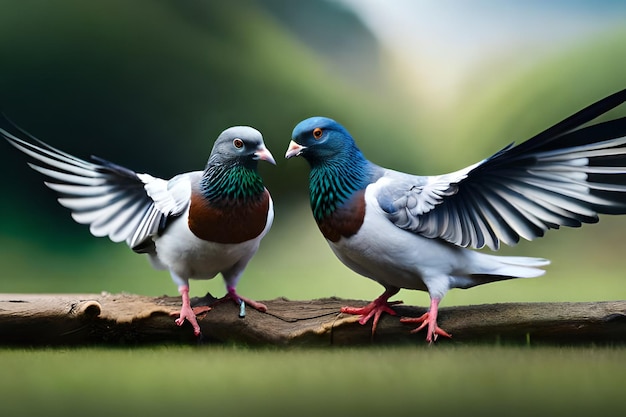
294 150
264 154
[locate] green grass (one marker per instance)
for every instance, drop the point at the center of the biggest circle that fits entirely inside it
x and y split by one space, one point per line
374 381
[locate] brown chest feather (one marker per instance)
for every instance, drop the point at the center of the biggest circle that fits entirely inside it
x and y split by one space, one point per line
233 223
346 220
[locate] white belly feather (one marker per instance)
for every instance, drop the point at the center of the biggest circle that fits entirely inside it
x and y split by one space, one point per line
186 255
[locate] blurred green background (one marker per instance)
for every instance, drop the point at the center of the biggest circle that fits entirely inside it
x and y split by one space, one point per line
423 87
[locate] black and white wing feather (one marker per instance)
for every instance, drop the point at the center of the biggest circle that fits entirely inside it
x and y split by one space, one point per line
564 176
114 201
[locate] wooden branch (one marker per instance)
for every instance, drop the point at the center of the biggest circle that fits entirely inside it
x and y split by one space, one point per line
114 319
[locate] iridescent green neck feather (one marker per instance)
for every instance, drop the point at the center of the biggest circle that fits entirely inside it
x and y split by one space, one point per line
227 184
333 181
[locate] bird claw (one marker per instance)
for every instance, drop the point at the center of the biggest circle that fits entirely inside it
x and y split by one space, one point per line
374 309
427 319
189 314
238 299
254 304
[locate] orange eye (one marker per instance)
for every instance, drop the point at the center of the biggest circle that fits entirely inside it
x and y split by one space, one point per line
317 133
238 143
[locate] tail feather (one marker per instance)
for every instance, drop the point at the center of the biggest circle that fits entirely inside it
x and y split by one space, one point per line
519 266
493 268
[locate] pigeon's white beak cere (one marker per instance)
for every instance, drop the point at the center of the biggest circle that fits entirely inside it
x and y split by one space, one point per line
294 150
264 154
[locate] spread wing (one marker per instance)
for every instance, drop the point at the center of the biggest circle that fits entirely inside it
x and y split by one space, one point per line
114 201
564 176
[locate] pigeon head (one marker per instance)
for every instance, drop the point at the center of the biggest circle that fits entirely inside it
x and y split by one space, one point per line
320 139
231 173
338 168
240 146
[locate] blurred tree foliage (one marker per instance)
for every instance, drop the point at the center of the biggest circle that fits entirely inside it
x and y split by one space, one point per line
149 84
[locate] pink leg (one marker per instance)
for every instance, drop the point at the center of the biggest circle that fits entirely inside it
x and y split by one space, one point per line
232 295
429 318
188 313
374 309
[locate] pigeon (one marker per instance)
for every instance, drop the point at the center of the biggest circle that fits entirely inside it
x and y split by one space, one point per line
196 225
419 232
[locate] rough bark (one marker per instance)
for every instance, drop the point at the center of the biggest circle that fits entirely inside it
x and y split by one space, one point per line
123 319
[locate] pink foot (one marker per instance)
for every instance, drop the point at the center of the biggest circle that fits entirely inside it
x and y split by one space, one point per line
232 295
374 309
428 319
187 312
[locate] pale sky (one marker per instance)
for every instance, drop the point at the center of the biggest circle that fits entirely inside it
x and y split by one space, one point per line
445 40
